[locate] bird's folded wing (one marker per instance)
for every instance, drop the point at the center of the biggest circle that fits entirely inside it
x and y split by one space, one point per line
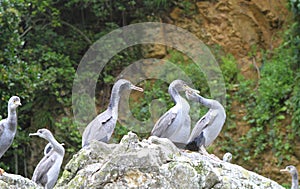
163 123
2 126
41 170
103 132
94 130
203 123
105 116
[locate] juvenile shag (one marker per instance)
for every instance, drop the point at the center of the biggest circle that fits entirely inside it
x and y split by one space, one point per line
8 126
102 127
227 157
175 124
209 126
47 170
293 171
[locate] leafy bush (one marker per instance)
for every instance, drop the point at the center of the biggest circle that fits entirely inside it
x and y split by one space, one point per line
270 105
295 6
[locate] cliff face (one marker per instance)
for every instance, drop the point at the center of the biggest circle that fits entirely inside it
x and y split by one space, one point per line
153 163
240 27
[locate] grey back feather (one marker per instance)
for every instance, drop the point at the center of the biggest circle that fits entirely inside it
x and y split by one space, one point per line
41 170
163 123
101 128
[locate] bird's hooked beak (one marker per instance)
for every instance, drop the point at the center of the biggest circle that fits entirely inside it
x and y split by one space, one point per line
34 134
18 103
133 87
191 90
284 170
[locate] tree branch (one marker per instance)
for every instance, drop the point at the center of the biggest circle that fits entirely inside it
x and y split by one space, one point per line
26 31
77 30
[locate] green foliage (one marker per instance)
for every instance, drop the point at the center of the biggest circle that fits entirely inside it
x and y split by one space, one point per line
295 105
269 106
229 69
152 90
295 6
187 7
272 108
121 12
191 69
119 132
41 44
117 63
29 68
287 186
73 141
274 101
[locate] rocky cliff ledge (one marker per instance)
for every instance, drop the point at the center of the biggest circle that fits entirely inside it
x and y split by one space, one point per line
152 163
11 181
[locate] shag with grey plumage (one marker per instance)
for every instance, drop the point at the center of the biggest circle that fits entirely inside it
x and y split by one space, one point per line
47 170
293 171
102 127
175 124
8 126
209 126
227 157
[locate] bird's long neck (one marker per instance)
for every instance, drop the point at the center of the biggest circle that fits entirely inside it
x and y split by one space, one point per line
114 101
12 118
204 101
295 184
175 95
56 145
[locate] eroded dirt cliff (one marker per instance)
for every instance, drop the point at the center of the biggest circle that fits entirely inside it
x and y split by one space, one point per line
238 26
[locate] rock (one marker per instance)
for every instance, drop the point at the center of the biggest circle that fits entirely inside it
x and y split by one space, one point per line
153 163
11 181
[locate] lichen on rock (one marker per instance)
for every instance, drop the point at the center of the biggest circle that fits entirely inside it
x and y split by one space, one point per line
11 181
153 163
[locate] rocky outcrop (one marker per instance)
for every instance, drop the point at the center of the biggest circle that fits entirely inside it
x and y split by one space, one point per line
153 163
11 181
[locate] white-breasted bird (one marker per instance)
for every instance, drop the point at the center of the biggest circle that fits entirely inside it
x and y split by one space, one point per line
102 127
294 173
209 126
175 124
8 126
47 170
